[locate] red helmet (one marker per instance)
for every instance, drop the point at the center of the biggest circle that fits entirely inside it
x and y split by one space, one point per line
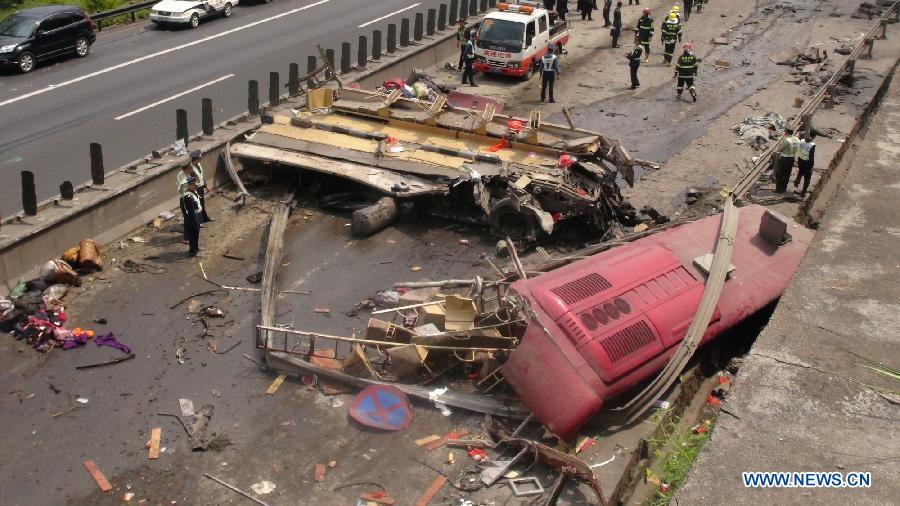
688 46
646 10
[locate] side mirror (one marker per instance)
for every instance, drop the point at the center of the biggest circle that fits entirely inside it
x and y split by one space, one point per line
40 33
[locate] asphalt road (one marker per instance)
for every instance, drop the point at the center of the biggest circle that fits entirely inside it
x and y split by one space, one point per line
49 117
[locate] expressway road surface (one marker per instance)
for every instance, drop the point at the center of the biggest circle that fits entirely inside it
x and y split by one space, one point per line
125 93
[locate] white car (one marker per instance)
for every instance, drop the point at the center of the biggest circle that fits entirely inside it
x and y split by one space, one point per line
189 12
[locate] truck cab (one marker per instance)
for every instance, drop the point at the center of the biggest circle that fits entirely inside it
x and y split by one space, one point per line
512 40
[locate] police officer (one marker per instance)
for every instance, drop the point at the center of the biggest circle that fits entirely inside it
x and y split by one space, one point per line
670 32
607 6
201 182
617 25
688 5
634 61
562 7
468 55
549 71
190 203
806 158
645 32
187 171
787 152
686 71
700 5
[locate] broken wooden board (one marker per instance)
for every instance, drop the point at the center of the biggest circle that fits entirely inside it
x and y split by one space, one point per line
274 253
319 472
457 434
380 179
155 436
276 384
377 499
427 439
431 491
97 475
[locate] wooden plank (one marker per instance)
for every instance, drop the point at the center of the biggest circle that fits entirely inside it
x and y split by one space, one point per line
427 439
155 436
432 491
319 472
374 177
274 253
97 475
376 499
276 384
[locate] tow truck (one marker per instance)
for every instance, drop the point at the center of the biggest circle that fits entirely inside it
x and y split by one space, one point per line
512 39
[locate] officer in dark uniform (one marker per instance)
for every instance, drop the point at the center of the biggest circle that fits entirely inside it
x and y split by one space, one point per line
469 58
686 71
617 25
549 71
634 61
562 7
193 211
645 32
688 5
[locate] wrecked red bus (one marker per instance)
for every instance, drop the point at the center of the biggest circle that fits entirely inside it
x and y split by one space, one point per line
600 326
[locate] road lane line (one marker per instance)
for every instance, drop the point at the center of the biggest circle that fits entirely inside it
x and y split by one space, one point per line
173 97
413 6
160 53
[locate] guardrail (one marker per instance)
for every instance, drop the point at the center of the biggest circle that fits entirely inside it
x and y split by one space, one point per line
132 9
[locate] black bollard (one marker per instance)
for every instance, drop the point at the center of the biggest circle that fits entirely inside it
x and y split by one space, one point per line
473 7
418 26
463 9
492 3
312 63
253 97
293 79
66 190
273 89
454 12
345 57
404 32
392 38
362 51
181 126
29 197
376 45
97 171
484 5
442 17
432 21
329 55
206 116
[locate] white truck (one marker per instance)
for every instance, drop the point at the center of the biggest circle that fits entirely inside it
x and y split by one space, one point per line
512 39
189 12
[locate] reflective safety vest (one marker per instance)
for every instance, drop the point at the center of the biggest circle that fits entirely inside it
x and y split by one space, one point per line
549 62
804 148
789 147
687 65
670 30
645 27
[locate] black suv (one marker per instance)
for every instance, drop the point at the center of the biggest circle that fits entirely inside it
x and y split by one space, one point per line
32 35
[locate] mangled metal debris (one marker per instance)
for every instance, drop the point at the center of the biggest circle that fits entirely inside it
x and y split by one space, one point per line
522 178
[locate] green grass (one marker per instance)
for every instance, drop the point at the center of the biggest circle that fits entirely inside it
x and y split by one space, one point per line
674 454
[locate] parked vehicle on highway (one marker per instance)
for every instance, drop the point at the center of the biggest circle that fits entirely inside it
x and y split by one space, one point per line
187 12
512 40
32 35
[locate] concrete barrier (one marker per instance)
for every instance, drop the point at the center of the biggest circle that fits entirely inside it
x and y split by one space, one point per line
135 194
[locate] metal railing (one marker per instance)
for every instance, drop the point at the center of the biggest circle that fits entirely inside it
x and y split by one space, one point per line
132 9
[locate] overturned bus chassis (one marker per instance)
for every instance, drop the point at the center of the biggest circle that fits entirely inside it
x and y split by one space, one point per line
517 176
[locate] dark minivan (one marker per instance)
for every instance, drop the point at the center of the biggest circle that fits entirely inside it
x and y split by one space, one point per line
41 33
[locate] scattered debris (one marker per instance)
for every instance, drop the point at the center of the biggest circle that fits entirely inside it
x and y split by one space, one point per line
756 131
431 491
97 475
237 490
155 435
276 384
264 487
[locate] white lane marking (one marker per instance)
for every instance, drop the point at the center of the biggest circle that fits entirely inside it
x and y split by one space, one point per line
173 97
160 53
413 6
